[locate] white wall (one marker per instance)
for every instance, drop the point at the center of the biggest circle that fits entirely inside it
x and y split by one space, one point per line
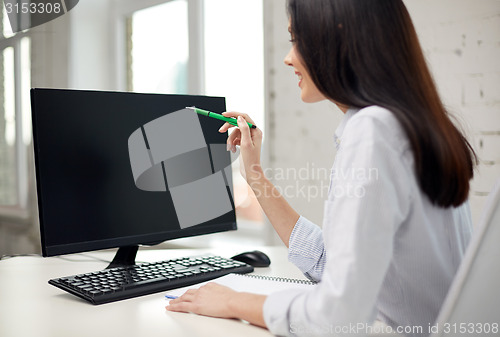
461 39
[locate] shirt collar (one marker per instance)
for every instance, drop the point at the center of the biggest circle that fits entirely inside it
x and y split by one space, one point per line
340 129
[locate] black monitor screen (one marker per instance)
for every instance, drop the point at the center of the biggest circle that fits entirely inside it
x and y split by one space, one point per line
116 169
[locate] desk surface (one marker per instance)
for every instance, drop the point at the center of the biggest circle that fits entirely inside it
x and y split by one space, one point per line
29 306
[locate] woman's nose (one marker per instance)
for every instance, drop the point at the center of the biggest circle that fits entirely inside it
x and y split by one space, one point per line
288 58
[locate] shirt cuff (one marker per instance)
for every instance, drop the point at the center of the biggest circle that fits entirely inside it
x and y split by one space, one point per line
275 311
306 248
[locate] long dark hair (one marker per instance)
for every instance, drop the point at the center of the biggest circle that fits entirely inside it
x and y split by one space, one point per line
365 52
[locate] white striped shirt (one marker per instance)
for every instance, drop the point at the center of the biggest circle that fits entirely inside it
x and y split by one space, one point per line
384 250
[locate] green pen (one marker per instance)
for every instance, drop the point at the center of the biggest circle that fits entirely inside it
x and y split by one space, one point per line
215 115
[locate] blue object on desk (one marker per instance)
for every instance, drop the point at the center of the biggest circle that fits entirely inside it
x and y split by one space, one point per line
171 297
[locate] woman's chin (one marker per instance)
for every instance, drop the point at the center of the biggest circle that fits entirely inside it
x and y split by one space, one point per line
310 99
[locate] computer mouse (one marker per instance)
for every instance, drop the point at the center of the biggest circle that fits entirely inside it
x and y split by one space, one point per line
255 258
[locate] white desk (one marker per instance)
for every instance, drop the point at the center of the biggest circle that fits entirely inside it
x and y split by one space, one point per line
29 306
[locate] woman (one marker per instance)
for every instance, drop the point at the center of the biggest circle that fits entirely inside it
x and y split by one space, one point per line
389 252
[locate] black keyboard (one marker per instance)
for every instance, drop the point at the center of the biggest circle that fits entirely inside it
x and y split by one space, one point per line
120 283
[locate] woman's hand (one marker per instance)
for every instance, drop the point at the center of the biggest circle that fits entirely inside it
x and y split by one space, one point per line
209 300
250 142
215 300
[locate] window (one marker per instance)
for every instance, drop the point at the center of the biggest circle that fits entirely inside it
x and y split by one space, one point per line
159 48
234 55
234 68
207 47
15 116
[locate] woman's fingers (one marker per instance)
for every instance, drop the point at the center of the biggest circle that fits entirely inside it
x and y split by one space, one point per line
246 137
180 307
233 135
226 126
236 137
249 140
233 139
186 297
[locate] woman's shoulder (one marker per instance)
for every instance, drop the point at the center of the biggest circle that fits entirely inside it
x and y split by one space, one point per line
377 122
377 115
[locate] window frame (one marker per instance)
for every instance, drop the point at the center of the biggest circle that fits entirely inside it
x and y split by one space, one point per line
122 9
21 210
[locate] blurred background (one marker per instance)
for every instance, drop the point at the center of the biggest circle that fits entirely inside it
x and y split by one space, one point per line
235 49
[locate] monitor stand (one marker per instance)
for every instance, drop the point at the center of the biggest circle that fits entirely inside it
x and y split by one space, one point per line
125 256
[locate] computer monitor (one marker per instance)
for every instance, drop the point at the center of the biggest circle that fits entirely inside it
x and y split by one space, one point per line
121 169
